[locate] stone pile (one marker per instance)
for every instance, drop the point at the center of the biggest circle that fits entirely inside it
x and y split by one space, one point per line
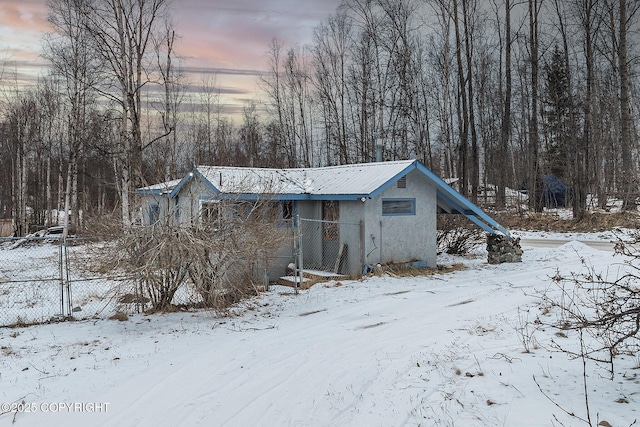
503 249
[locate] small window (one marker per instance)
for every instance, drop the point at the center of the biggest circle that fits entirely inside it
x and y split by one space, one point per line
287 210
209 211
281 213
154 213
176 208
391 207
402 182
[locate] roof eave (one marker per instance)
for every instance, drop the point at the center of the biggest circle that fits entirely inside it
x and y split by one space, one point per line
153 192
194 173
459 203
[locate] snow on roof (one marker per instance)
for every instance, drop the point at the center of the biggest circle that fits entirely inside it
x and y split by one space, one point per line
326 183
161 188
242 180
362 178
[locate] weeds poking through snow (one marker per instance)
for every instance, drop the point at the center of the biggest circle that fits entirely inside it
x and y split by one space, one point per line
525 330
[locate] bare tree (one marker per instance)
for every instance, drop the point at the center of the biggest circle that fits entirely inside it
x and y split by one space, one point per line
627 137
535 196
505 127
467 6
462 106
21 129
209 100
251 137
121 32
279 105
298 112
442 87
74 60
331 62
166 151
602 306
220 256
53 114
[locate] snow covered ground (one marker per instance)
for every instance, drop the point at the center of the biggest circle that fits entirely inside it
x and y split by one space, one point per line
444 350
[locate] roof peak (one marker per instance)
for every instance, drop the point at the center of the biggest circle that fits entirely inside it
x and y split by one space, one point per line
348 165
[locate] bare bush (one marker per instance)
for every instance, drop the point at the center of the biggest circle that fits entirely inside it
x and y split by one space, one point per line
220 260
603 308
456 236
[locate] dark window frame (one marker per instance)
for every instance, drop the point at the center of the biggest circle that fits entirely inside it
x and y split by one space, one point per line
394 207
154 213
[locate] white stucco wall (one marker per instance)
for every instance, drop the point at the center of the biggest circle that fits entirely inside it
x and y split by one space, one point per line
147 201
403 238
386 239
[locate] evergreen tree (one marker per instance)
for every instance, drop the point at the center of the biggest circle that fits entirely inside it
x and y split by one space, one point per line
556 116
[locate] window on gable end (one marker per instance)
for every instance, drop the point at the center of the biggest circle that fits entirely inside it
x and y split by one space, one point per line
402 182
398 207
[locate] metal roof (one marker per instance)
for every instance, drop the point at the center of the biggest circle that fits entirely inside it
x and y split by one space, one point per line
345 182
161 188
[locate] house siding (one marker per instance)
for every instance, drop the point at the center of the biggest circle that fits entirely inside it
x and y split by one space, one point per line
402 238
405 231
148 201
352 214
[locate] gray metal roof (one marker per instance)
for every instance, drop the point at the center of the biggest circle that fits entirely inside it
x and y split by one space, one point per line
356 179
345 182
161 188
238 180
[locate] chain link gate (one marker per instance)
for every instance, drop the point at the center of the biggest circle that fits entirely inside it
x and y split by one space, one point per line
34 285
44 279
329 249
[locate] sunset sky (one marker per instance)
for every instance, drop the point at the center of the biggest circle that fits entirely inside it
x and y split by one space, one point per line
226 37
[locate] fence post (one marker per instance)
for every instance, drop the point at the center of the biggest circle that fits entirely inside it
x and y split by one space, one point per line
61 275
65 287
363 260
66 278
299 259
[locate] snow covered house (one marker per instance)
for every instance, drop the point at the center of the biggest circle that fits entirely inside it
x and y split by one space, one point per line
394 205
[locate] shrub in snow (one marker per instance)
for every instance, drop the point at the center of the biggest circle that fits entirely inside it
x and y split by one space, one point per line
456 235
220 260
604 309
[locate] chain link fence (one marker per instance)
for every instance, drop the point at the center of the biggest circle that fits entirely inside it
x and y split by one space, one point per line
331 248
31 286
48 278
44 279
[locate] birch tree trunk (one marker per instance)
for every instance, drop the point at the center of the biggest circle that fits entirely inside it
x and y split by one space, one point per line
627 136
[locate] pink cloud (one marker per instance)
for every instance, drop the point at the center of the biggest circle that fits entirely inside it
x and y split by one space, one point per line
229 38
24 15
237 33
